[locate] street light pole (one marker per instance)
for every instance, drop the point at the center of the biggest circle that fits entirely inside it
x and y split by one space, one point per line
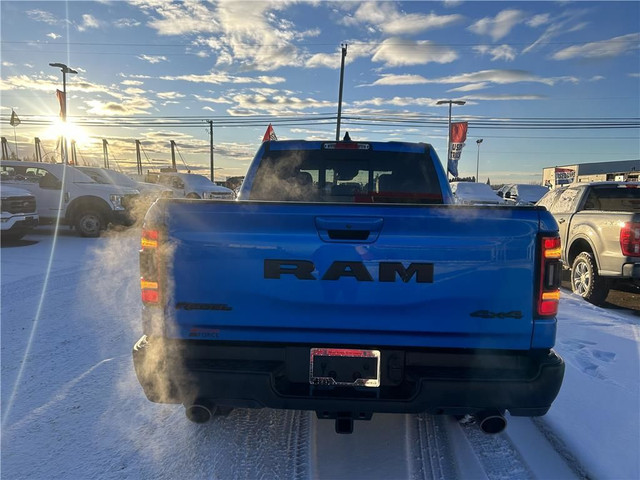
479 141
64 70
450 102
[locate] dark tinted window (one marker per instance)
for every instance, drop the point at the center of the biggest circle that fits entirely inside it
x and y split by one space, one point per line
346 176
613 199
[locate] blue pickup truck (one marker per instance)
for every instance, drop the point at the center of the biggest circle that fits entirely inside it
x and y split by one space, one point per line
345 281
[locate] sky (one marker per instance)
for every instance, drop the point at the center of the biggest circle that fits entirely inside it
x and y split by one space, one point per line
545 83
72 407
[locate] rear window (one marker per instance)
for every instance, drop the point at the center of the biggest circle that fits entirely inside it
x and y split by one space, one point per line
347 176
613 199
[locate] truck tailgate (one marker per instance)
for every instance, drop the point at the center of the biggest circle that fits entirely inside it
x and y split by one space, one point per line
403 275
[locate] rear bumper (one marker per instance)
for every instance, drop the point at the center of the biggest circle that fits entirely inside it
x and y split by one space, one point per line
437 381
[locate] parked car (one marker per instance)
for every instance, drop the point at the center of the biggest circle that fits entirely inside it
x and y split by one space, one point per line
600 232
471 193
64 192
149 192
19 212
501 191
193 185
524 194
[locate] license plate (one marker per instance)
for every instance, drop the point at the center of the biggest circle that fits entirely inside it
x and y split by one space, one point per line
344 367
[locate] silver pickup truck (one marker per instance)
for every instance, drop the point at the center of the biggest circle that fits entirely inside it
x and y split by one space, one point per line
600 232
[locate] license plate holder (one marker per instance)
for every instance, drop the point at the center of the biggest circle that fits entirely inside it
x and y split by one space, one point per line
344 367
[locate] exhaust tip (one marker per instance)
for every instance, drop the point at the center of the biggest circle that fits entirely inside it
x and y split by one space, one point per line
200 412
491 422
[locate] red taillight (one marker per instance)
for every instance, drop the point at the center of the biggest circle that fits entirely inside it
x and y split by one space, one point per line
630 239
550 270
149 270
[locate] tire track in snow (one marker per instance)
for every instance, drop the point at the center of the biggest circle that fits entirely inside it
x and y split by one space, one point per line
521 452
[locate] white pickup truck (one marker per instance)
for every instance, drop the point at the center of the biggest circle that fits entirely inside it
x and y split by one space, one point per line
19 212
64 192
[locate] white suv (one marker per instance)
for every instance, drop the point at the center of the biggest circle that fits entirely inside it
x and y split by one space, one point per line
64 192
19 212
192 185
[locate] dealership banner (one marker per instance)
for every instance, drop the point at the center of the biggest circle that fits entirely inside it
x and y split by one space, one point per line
565 176
457 135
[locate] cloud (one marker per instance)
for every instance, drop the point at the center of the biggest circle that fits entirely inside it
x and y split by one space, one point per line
132 82
398 102
170 95
502 52
415 23
135 106
200 98
495 76
505 97
614 47
470 87
54 36
538 20
386 17
500 26
42 16
153 58
248 34
394 52
134 91
276 102
559 25
222 77
405 79
126 23
481 79
88 21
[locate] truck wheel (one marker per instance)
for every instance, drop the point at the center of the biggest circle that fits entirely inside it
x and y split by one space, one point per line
90 223
585 280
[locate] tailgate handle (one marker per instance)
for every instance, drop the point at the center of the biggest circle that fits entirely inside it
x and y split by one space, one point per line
349 229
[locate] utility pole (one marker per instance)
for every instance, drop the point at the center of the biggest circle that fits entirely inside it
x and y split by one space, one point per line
173 156
344 54
211 148
138 157
478 141
105 152
38 149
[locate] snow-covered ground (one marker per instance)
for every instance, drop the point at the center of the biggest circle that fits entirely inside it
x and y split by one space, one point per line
72 408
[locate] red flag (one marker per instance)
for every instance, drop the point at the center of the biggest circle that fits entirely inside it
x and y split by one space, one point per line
269 134
458 132
63 103
457 136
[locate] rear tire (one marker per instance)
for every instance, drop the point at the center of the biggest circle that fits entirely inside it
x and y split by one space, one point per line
90 223
585 280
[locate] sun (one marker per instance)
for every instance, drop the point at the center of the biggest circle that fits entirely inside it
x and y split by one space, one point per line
69 130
